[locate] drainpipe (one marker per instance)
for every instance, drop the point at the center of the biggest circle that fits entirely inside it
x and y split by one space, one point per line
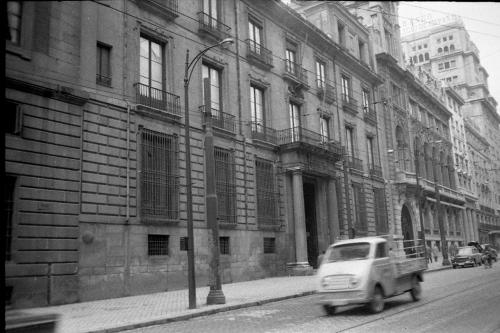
126 240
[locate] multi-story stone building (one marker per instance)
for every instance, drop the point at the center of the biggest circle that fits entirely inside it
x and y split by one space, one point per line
448 52
97 200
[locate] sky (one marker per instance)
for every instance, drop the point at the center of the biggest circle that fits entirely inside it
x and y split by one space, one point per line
480 20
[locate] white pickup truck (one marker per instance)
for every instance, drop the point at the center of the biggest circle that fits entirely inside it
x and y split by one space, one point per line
367 270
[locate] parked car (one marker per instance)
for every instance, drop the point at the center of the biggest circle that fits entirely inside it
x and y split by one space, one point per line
493 251
467 255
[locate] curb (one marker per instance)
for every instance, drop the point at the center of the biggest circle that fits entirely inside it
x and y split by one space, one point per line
198 314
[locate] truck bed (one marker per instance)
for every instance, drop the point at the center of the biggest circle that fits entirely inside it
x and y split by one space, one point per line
405 266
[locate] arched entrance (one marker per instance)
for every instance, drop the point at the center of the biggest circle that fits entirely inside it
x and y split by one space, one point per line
407 229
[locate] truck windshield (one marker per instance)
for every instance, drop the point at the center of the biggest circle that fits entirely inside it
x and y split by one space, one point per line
349 252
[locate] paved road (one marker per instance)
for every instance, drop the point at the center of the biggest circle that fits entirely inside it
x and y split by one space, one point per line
461 300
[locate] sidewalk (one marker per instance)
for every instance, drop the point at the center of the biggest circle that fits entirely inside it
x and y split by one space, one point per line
117 314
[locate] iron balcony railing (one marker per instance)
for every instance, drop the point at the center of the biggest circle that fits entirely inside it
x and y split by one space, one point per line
168 9
326 91
221 119
263 133
375 170
259 52
213 26
300 134
349 102
354 163
370 115
157 98
295 70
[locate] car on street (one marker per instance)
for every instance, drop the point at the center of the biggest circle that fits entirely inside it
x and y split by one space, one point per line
467 256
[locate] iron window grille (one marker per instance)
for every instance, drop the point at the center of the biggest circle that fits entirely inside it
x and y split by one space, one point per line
9 188
267 193
224 245
184 243
159 176
225 185
157 245
269 245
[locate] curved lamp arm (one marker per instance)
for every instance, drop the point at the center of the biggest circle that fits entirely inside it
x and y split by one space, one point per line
190 66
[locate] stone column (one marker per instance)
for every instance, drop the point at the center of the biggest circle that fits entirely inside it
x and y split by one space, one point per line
301 265
333 216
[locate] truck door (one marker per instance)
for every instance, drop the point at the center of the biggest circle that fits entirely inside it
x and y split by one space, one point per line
383 268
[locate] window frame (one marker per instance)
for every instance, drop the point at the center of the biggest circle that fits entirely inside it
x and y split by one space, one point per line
103 78
225 183
149 79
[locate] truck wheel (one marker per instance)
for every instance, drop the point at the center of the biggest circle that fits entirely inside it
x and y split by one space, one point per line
329 309
416 289
376 305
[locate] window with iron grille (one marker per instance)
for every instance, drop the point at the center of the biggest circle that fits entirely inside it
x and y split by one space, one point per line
359 208
269 245
13 118
184 243
9 188
267 194
224 245
380 211
103 63
157 245
255 35
159 176
225 185
151 66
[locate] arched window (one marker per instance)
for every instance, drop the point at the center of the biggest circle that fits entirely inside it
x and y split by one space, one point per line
452 48
402 150
420 58
426 55
445 49
440 50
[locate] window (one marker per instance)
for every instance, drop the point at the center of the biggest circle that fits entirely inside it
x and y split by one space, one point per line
360 224
440 50
362 50
444 39
425 46
211 9
269 245
14 15
324 128
413 48
13 119
380 211
225 185
438 40
446 65
184 243
441 66
103 71
445 49
369 151
415 59
320 74
450 38
346 88
341 29
151 63
349 133
157 245
159 176
213 74
9 188
290 58
452 48
420 47
255 36
426 56
381 251
420 58
257 108
453 64
294 114
224 245
267 194
365 97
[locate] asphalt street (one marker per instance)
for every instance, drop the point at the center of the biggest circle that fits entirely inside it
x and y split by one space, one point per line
455 300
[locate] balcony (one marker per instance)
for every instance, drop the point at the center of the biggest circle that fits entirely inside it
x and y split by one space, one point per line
167 9
354 163
263 133
375 170
212 27
349 103
157 101
370 116
325 92
299 134
259 55
295 73
221 120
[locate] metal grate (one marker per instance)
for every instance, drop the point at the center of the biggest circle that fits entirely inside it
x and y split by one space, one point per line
267 195
184 243
269 245
157 245
224 245
225 185
9 188
159 175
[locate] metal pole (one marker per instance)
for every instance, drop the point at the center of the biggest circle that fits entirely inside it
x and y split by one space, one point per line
215 295
189 203
419 197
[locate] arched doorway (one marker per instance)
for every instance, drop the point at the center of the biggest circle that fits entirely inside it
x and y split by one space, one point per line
407 229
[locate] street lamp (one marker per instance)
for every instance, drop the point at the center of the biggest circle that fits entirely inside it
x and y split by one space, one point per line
189 200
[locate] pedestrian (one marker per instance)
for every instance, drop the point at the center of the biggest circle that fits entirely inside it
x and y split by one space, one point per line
435 252
429 254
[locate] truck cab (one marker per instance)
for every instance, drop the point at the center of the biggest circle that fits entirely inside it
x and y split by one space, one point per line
367 270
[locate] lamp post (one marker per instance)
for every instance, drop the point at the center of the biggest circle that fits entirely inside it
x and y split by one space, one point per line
189 200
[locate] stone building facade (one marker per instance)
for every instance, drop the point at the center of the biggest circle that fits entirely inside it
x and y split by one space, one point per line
95 147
